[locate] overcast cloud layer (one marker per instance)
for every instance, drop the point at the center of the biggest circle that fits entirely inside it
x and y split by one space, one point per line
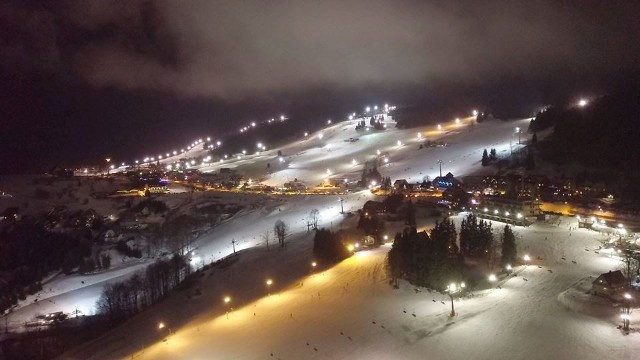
235 49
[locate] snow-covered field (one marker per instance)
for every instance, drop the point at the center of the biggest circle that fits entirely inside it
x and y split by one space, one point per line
541 313
350 311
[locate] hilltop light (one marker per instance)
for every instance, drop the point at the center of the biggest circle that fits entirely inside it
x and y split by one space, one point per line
583 103
218 142
320 136
282 117
439 127
457 120
329 122
367 109
475 112
253 124
350 117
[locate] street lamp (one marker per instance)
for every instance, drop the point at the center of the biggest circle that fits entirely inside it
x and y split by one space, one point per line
452 289
518 131
440 163
492 278
341 205
269 282
526 258
227 302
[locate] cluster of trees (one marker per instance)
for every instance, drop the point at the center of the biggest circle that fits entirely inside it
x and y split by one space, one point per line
372 225
122 300
385 184
88 265
28 252
477 240
126 250
370 175
488 157
329 246
476 237
426 260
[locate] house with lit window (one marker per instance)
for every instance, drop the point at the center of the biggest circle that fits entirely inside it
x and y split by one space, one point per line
609 284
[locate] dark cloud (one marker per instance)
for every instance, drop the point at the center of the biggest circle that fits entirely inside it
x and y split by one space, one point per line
235 49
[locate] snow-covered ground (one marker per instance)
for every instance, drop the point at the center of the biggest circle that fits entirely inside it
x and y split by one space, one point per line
350 311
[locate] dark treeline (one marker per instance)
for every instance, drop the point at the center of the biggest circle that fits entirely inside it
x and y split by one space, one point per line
28 253
603 134
426 260
329 246
122 300
434 260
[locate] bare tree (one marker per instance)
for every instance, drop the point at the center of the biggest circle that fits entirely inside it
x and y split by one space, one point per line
266 236
281 230
314 216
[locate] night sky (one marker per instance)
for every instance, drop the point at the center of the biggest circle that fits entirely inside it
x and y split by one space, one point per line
82 80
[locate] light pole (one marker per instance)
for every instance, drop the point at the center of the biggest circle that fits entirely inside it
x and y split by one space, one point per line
341 206
626 312
269 282
440 163
518 132
108 160
227 302
452 289
233 243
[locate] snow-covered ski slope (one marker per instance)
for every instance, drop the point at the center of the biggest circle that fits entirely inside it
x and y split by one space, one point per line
350 311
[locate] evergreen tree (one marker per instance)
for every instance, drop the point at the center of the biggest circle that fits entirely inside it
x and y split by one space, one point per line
509 251
411 214
534 139
492 155
485 158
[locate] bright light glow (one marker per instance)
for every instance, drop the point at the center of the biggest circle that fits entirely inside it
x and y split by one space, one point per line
374 183
492 278
457 120
320 136
350 247
627 296
439 127
350 117
583 102
386 160
353 161
313 264
375 107
227 299
328 171
329 122
485 209
244 152
399 143
218 142
269 282
475 112
281 159
526 258
508 267
193 162
367 109
519 216
253 124
169 167
208 138
452 287
386 237
378 152
419 135
306 134
506 213
282 117
161 325
495 211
